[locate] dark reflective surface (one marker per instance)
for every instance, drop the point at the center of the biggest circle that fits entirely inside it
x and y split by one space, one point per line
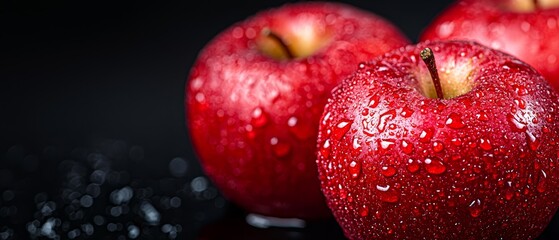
93 143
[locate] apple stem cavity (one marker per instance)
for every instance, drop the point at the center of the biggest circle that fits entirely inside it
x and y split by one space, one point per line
272 35
429 60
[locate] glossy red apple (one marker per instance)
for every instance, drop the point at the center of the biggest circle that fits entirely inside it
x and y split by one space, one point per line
477 159
256 93
527 29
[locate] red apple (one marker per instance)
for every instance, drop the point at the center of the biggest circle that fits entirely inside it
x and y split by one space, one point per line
399 158
527 29
257 90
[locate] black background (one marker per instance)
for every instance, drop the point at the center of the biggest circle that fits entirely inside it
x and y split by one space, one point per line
108 77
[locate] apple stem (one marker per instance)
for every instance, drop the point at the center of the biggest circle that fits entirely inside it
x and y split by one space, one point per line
269 33
429 59
536 4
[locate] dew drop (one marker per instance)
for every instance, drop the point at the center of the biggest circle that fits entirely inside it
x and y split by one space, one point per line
426 135
383 188
437 146
365 112
412 166
466 101
343 193
384 118
520 90
326 118
361 65
340 129
364 211
509 192
386 143
541 187
356 145
475 208
368 128
292 121
259 117
354 169
407 147
406 112
533 142
374 101
454 121
482 116
516 124
280 148
387 194
388 171
456 141
434 166
485 144
520 103
325 149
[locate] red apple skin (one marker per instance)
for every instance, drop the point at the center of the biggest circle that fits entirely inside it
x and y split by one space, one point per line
531 36
253 120
492 169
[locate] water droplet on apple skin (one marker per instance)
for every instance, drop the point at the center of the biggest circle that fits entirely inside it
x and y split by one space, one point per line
475 208
354 169
509 193
434 166
384 118
406 112
325 149
374 101
533 141
412 166
426 135
516 124
340 129
388 171
437 146
259 117
407 147
485 144
541 182
387 194
386 144
454 120
364 211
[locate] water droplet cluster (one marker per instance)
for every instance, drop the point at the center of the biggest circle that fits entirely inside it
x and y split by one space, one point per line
254 119
431 168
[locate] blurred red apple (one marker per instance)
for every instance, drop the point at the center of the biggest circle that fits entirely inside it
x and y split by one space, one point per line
527 29
257 90
475 158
